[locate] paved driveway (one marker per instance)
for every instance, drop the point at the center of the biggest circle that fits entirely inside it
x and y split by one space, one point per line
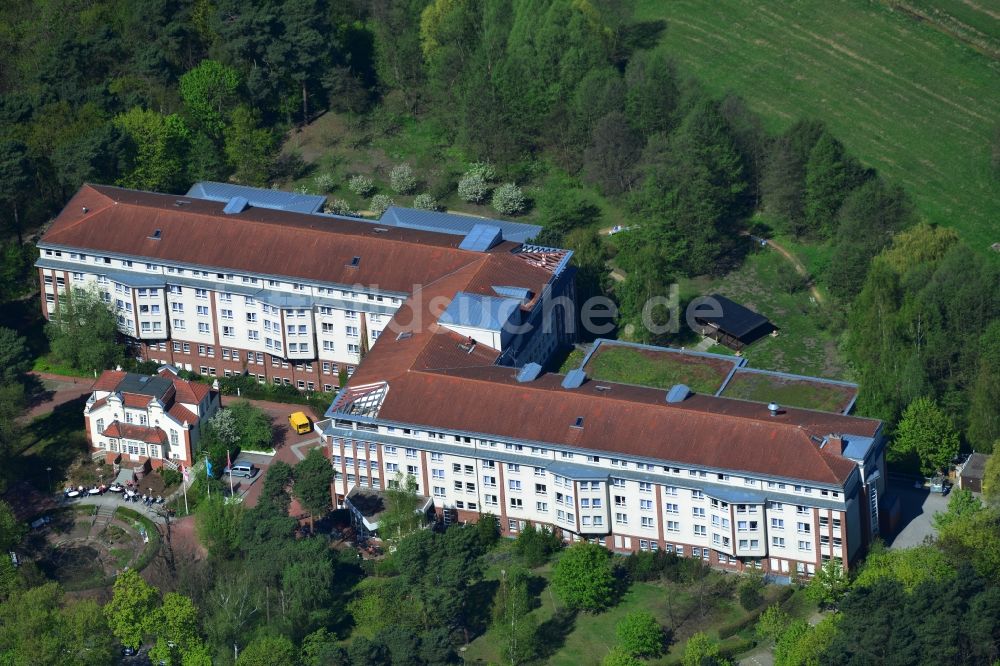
918 506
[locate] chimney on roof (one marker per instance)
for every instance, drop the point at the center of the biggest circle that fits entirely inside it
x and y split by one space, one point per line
773 407
836 443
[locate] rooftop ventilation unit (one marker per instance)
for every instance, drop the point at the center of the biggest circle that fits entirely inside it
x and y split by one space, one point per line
574 379
529 372
380 230
773 408
236 205
181 202
678 393
602 388
404 335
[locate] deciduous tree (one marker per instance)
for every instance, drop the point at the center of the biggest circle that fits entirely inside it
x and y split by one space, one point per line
512 624
928 431
83 332
134 610
640 634
582 577
313 476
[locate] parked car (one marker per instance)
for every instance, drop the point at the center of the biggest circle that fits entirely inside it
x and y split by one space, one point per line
244 469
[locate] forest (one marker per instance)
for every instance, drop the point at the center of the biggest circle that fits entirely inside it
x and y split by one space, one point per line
569 94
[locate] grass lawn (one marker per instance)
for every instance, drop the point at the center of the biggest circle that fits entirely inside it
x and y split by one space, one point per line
792 392
803 346
660 369
909 97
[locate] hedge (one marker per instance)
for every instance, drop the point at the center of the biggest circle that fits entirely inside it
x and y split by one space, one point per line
154 537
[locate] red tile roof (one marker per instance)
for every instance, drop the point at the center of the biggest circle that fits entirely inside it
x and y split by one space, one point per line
183 414
109 380
258 240
149 434
702 431
136 401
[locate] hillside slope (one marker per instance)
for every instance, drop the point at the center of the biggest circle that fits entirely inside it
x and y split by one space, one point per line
904 95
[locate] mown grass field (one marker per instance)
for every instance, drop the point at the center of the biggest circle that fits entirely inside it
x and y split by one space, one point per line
906 96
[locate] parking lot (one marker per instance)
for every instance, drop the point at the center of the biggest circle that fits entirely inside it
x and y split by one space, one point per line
918 506
290 447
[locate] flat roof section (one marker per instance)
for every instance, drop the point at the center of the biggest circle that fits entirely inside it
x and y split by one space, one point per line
258 197
791 390
658 367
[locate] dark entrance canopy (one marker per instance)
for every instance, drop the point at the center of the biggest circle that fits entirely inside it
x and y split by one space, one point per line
728 322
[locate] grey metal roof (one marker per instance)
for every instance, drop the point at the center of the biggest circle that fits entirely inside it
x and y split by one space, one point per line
578 472
481 238
455 223
476 311
257 197
857 447
514 292
678 393
529 372
574 379
154 387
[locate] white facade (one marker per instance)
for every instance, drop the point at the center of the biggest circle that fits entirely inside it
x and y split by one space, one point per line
627 505
220 322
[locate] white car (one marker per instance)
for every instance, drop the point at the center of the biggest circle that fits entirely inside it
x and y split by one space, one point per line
615 229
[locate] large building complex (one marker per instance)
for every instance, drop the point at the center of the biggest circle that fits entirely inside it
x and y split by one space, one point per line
455 318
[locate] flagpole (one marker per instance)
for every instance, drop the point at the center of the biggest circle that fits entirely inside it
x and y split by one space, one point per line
186 474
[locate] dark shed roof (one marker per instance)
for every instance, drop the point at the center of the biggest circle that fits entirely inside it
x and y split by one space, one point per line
735 319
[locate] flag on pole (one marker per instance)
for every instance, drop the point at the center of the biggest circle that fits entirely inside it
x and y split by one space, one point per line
208 467
229 462
186 473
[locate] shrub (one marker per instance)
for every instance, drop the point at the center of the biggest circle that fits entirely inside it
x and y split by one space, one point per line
582 577
640 634
425 202
536 545
472 188
339 207
751 590
620 657
303 189
484 170
171 477
379 203
325 182
508 199
401 179
361 185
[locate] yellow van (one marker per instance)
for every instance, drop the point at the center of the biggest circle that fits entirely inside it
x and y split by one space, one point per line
300 423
